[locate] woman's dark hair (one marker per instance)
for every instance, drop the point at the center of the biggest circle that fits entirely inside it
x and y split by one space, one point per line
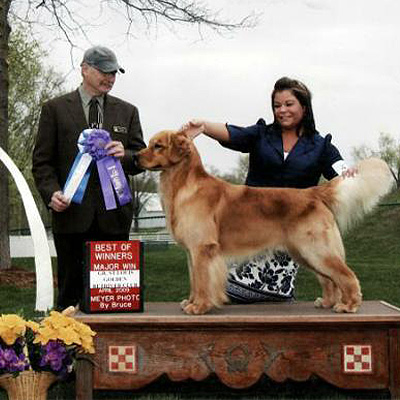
303 95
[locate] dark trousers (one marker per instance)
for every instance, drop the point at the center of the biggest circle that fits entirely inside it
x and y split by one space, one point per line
71 253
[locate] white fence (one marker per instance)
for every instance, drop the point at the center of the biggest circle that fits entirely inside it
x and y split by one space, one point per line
152 237
22 246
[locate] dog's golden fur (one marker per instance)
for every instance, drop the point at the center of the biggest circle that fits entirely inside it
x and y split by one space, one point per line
213 220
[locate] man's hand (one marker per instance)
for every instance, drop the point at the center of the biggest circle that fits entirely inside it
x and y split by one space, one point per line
59 202
115 149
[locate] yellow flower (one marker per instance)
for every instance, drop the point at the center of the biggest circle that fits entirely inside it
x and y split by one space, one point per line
44 334
57 320
66 329
70 336
33 325
84 330
87 345
12 326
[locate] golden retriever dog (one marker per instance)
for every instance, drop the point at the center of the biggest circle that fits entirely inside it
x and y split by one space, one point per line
214 220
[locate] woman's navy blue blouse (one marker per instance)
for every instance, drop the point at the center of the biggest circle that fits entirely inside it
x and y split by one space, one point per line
310 158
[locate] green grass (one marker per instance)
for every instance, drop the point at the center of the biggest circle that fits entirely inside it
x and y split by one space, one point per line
373 252
165 273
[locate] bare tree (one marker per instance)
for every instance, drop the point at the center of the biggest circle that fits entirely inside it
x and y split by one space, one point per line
388 150
142 187
67 18
5 259
238 174
31 83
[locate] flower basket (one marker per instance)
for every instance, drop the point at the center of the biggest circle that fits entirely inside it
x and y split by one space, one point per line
28 385
33 354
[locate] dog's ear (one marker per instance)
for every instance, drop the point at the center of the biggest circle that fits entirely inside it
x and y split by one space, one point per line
180 146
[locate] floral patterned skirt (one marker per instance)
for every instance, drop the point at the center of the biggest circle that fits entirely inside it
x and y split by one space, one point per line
266 277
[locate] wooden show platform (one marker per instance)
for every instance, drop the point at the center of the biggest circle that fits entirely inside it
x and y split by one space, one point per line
239 343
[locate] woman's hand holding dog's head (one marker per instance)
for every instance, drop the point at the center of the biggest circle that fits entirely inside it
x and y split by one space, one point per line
193 128
214 130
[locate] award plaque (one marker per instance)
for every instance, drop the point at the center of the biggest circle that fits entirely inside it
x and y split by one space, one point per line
113 277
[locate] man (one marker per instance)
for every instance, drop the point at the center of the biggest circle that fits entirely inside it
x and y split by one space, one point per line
61 122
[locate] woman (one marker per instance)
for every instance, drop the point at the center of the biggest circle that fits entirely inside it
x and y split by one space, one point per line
287 153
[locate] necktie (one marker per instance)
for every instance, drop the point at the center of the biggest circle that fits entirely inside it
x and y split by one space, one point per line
93 113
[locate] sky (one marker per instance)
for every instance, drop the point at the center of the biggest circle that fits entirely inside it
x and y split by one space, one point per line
346 52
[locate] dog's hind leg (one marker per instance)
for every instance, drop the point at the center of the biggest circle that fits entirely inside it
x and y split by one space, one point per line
318 245
208 279
331 266
348 283
331 294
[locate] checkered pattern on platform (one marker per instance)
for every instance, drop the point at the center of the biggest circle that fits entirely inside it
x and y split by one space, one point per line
122 359
357 359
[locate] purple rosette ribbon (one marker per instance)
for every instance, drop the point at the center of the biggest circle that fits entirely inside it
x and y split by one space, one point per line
94 142
91 144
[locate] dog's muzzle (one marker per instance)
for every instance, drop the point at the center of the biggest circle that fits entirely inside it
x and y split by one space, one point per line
136 160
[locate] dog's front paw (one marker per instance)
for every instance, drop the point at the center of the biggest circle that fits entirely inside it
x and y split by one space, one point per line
345 308
322 303
318 302
184 303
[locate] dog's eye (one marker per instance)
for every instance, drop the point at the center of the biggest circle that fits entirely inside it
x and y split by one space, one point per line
157 146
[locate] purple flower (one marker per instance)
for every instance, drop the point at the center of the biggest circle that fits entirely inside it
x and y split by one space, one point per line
11 362
54 355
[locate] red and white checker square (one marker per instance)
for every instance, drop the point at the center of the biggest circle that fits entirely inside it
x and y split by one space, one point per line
357 359
122 359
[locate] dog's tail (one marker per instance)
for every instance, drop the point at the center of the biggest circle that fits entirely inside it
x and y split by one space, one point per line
351 198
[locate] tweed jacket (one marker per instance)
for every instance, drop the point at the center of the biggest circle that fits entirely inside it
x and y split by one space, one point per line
61 122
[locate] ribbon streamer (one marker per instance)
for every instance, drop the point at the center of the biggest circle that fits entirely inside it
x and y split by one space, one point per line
44 273
76 183
91 143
